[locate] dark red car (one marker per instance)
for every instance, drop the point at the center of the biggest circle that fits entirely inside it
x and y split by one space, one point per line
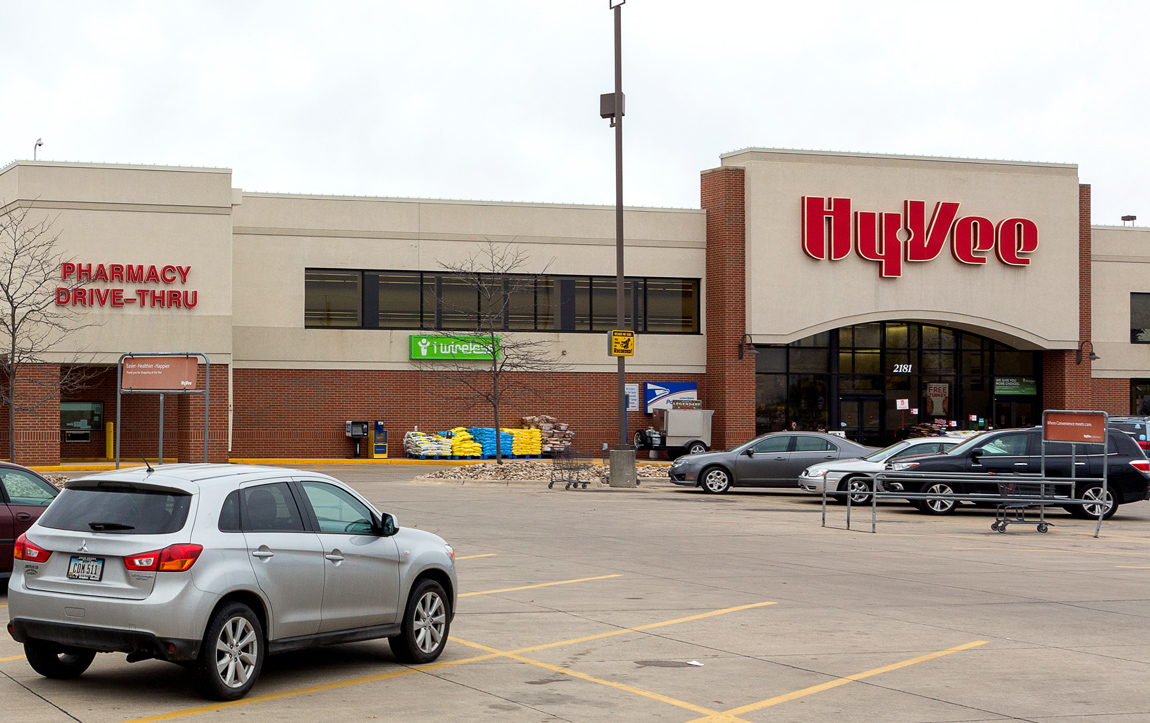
24 495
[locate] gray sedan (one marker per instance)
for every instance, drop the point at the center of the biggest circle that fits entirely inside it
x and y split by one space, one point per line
772 460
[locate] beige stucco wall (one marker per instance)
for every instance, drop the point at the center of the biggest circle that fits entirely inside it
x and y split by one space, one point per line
791 295
1121 265
278 236
112 214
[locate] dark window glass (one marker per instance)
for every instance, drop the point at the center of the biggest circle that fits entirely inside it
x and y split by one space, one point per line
1140 318
820 339
867 335
336 510
400 300
26 489
458 304
809 400
809 360
230 513
577 295
82 415
1140 396
867 362
270 508
1010 363
771 359
975 362
119 510
332 298
898 336
1007 445
603 304
976 398
938 362
900 362
860 383
770 401
521 303
672 306
547 308
812 444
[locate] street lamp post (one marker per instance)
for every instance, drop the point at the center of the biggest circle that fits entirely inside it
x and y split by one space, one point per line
611 106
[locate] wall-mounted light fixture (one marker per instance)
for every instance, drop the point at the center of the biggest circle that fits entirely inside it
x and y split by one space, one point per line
1082 346
747 346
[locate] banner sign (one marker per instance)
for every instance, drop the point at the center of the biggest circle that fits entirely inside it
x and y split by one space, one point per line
159 373
452 347
660 395
1080 427
1015 386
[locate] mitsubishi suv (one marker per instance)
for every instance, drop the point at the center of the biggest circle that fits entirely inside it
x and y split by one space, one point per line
214 567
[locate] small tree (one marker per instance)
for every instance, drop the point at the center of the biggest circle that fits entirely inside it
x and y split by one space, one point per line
496 274
32 324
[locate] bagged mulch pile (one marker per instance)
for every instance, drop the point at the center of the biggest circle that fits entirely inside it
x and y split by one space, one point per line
555 436
530 470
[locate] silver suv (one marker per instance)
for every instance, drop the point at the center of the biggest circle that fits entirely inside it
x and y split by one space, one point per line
216 566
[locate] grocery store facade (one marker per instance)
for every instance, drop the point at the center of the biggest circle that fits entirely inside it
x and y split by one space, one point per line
851 292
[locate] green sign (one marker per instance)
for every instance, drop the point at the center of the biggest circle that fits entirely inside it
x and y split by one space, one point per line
1008 386
452 347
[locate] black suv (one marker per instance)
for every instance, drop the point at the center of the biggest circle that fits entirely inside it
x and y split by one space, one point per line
1019 451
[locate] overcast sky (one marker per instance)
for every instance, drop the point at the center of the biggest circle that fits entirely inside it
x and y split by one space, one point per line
499 100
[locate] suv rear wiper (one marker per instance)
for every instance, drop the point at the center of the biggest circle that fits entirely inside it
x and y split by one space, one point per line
106 526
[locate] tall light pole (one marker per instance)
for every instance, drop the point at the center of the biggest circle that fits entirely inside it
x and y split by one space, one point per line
611 105
36 146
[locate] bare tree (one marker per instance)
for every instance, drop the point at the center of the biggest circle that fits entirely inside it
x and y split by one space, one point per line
32 324
496 274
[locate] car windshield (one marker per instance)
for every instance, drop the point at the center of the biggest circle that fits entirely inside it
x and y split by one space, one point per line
882 454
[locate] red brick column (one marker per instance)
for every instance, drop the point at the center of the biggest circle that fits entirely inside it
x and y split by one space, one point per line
1067 384
38 425
730 380
191 419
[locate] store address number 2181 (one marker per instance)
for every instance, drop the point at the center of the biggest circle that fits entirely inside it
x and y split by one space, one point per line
903 369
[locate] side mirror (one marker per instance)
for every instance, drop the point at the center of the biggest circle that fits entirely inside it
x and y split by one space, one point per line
387 526
749 451
975 454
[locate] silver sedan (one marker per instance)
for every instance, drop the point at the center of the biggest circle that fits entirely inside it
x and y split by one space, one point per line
772 460
216 566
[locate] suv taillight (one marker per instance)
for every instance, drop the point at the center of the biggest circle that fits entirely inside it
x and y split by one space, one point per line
175 558
1142 465
25 550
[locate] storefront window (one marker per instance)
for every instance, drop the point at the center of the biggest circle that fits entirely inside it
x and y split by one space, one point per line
82 416
520 303
672 306
809 401
332 298
770 401
1140 396
458 304
809 360
400 300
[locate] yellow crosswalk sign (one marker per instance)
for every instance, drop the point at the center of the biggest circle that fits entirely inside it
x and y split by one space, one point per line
621 343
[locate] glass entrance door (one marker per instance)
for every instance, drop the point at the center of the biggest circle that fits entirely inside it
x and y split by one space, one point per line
1015 412
861 419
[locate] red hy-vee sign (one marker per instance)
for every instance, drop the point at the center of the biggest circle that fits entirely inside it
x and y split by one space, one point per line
830 230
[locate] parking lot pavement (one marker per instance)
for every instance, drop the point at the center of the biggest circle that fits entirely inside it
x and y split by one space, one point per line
665 604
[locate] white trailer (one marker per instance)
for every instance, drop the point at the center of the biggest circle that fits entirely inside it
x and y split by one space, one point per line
677 432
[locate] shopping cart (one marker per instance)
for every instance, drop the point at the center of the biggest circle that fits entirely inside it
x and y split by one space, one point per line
571 469
1017 498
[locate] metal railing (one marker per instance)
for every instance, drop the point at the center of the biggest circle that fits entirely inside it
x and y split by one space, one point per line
920 480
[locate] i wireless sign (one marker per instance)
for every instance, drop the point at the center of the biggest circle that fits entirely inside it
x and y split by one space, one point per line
453 347
831 230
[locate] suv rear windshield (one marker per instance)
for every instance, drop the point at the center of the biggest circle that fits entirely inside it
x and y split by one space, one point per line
118 510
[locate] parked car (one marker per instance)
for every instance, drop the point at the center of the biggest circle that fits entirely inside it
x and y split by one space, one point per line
1137 427
23 497
216 566
1019 451
854 475
772 460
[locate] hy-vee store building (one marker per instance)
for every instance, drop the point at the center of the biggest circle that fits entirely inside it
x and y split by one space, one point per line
878 292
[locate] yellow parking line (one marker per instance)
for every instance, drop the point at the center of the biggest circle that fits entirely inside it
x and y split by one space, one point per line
725 716
542 584
640 628
305 691
592 679
1134 567
472 557
14 657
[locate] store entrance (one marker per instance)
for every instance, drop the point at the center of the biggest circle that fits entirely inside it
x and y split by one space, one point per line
860 417
1018 412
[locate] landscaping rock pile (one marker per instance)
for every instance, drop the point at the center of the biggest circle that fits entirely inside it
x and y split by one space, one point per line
530 470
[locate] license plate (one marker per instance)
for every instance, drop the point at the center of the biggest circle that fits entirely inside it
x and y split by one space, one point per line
86 568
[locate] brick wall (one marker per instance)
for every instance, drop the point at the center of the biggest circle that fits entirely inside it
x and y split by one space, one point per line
731 378
1112 395
140 415
190 424
38 426
1067 384
301 413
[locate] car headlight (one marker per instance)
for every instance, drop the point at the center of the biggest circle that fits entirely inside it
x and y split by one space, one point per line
679 462
450 551
815 473
900 466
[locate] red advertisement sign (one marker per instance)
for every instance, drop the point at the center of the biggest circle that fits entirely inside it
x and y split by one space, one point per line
159 373
1081 427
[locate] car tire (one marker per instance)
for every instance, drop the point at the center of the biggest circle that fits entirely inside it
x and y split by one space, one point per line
1094 492
715 480
937 507
232 654
696 448
53 660
426 624
858 488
